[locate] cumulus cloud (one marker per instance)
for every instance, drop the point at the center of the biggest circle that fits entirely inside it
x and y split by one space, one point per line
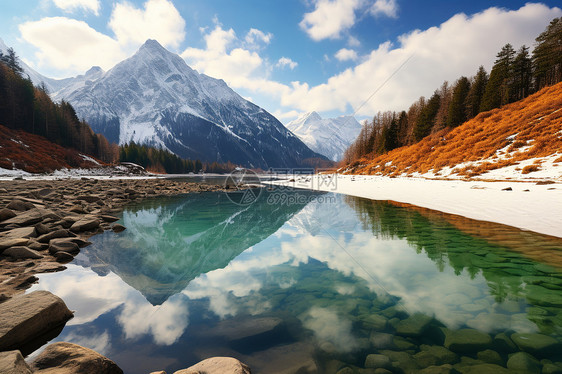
70 45
158 19
345 54
255 37
72 5
286 62
454 48
387 8
330 18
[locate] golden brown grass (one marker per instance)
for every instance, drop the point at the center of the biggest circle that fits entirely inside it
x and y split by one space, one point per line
526 129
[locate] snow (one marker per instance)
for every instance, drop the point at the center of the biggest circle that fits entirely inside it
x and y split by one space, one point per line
89 159
12 173
538 210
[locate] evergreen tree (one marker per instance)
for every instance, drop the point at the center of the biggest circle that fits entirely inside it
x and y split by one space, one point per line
497 92
476 93
522 74
547 55
12 60
457 110
427 117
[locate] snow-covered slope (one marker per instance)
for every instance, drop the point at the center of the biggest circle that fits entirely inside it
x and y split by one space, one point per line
155 98
329 137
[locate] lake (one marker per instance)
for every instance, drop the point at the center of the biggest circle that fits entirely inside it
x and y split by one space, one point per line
305 282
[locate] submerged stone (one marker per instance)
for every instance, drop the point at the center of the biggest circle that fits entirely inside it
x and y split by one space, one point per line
524 362
414 325
536 343
467 340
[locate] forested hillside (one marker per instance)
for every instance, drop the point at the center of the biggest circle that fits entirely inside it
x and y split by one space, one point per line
514 76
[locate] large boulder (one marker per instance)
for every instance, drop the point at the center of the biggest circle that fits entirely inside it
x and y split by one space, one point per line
27 218
12 362
467 341
87 223
7 243
217 365
21 252
538 344
22 232
24 318
68 358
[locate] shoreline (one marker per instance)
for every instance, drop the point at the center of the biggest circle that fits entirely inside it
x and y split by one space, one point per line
524 205
43 223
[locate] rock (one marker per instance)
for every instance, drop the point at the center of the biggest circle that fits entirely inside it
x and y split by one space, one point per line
118 228
403 344
22 232
12 362
109 219
42 229
61 233
503 343
89 198
443 369
158 372
7 243
524 362
63 257
490 357
376 361
20 252
536 344
467 340
402 361
66 246
484 369
217 365
20 205
381 340
375 321
542 296
25 317
28 218
68 358
248 328
551 369
76 240
86 223
507 189
414 325
442 354
36 246
6 213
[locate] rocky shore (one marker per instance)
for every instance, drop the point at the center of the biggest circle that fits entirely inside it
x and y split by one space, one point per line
43 225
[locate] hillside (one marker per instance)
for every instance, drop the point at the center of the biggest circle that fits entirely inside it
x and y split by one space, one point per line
35 154
522 140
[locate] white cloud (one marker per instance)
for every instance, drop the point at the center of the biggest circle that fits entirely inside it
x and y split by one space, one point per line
158 20
345 54
330 18
456 47
254 37
286 62
387 8
353 41
70 45
71 5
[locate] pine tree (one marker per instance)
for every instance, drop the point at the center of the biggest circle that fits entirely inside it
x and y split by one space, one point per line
547 55
427 117
497 91
522 74
457 110
12 60
476 92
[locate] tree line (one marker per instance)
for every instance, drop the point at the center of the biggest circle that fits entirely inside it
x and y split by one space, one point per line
514 76
28 108
164 161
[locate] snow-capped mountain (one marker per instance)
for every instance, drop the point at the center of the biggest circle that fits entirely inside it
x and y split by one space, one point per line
329 137
155 98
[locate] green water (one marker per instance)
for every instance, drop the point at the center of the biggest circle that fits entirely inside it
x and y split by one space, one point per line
313 283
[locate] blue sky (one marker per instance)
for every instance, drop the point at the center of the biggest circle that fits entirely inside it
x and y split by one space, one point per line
288 56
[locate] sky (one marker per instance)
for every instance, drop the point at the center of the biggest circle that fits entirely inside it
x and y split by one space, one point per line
336 57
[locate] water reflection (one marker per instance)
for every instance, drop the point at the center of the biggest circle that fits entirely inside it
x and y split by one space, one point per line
340 275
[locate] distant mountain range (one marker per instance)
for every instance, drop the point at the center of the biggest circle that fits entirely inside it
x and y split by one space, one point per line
329 137
155 98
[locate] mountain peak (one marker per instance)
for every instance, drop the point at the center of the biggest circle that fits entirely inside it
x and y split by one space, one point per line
94 70
311 116
152 45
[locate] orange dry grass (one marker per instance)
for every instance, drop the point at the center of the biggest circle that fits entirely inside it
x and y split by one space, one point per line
36 154
537 121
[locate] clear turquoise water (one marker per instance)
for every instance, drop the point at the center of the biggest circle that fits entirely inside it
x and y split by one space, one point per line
311 283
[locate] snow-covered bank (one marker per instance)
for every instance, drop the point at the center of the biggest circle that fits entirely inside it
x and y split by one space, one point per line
527 206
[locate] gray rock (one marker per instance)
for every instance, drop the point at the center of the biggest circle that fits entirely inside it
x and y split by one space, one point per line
20 252
27 218
376 361
490 357
118 228
217 365
22 232
63 246
87 223
61 233
6 213
524 362
20 205
467 341
12 362
110 219
414 325
68 358
538 344
63 257
25 317
7 243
